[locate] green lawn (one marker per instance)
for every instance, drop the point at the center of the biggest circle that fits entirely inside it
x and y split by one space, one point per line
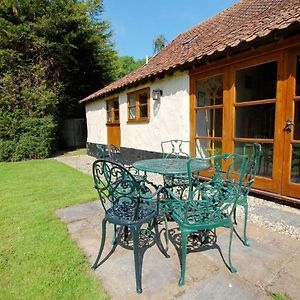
37 257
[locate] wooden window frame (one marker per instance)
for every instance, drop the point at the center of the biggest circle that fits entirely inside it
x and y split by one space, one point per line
113 111
138 118
194 108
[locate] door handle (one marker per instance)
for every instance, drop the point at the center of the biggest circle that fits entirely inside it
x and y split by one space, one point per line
288 126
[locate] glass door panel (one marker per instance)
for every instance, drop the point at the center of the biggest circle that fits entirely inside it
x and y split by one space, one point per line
291 130
266 161
295 160
256 83
255 106
255 121
209 116
295 167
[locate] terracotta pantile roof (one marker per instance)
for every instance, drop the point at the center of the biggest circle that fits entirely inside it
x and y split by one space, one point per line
243 22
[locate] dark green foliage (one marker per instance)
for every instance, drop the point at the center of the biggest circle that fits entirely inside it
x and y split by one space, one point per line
52 54
127 64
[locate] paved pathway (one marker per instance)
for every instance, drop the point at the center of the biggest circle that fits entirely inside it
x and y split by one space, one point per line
270 265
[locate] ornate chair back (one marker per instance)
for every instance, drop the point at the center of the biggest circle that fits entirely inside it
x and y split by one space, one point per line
117 188
175 149
253 165
210 201
102 151
115 154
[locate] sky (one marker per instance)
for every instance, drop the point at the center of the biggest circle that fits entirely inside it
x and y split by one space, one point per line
136 23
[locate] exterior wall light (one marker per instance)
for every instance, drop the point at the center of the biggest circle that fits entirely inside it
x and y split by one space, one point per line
156 94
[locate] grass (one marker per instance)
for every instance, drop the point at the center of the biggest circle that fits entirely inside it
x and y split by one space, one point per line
279 297
37 257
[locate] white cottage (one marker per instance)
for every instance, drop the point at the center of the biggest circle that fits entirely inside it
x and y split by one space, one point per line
231 80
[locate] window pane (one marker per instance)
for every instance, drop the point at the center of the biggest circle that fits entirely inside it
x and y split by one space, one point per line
109 116
266 162
298 77
255 121
207 148
132 101
210 91
295 172
144 111
116 104
132 113
297 121
116 115
109 106
143 98
209 122
256 83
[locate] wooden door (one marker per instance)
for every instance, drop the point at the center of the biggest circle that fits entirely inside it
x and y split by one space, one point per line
258 105
113 134
113 122
291 128
253 100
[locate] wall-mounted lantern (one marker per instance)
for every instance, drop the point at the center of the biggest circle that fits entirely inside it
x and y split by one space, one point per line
156 94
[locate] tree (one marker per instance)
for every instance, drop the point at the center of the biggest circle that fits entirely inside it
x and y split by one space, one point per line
159 43
127 64
52 54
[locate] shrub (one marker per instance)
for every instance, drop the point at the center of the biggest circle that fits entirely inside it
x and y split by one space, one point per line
33 138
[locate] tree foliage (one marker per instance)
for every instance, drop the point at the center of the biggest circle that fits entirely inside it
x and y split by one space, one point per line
127 64
52 54
159 43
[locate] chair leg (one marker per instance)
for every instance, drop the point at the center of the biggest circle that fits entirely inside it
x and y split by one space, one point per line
234 216
101 245
167 232
138 273
231 267
125 233
245 241
160 246
184 236
114 239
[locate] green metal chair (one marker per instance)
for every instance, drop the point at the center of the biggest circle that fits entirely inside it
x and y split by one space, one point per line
127 203
114 154
102 151
209 205
176 149
254 156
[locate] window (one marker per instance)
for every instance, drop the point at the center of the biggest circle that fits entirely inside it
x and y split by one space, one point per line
255 106
138 105
112 110
209 115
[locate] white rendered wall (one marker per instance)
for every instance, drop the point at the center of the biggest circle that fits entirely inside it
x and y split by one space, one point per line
96 122
169 117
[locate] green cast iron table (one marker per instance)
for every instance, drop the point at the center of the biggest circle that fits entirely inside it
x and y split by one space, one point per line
169 166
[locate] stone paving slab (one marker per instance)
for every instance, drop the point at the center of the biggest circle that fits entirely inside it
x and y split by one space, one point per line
262 263
224 286
287 280
270 265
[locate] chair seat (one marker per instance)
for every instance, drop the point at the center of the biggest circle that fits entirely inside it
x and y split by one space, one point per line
124 214
199 215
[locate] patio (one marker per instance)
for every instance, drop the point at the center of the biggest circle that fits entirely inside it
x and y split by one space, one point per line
270 265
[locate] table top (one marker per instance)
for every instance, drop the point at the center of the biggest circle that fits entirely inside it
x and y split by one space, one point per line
169 166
